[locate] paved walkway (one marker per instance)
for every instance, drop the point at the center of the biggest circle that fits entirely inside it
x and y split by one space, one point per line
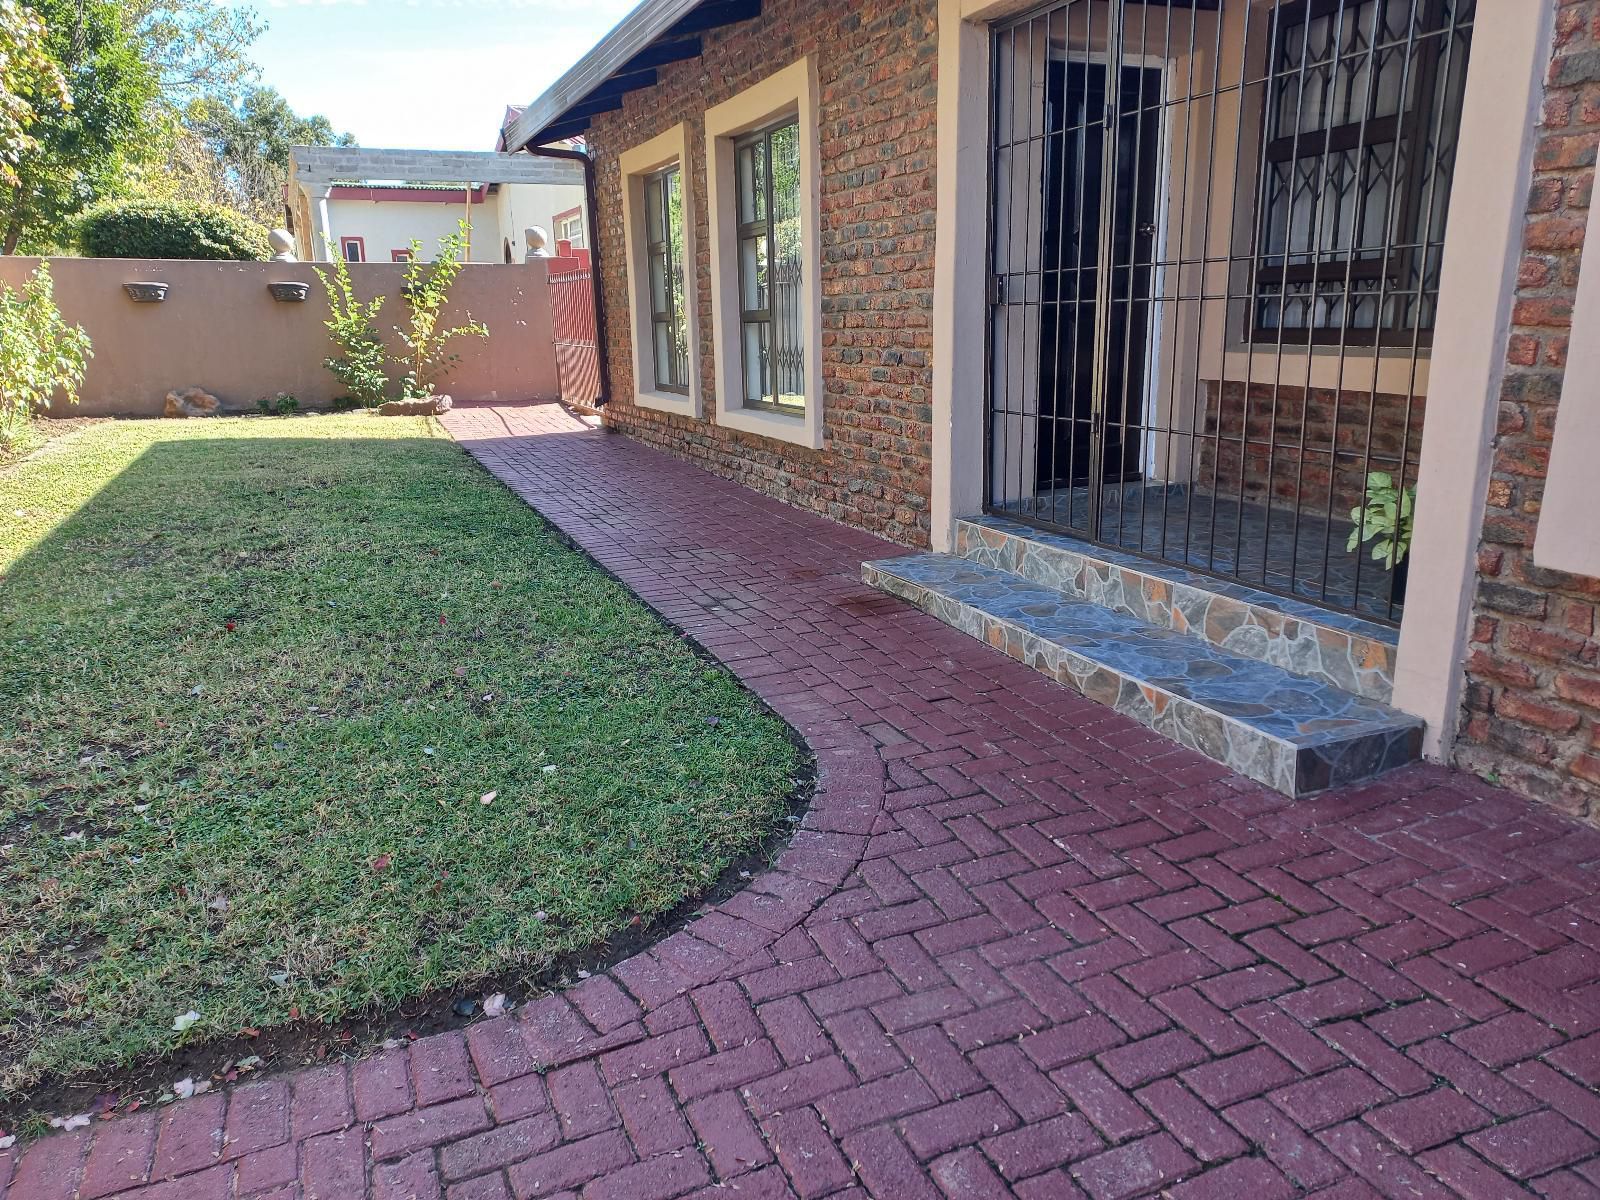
1023 947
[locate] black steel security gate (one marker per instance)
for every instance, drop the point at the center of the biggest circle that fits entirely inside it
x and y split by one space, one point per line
1216 235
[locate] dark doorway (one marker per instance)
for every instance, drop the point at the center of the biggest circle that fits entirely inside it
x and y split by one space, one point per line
1078 229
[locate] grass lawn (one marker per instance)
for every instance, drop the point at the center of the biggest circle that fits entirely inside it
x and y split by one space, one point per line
308 716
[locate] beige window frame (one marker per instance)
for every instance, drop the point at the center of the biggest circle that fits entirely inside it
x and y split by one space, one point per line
791 92
666 150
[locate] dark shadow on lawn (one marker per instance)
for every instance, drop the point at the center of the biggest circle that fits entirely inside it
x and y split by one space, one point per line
116 524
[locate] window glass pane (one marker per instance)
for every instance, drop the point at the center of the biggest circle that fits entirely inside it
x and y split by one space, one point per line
750 165
784 283
658 285
665 374
755 362
652 208
753 274
676 281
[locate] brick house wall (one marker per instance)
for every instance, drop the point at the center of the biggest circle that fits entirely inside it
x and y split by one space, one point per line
876 73
1314 446
1532 701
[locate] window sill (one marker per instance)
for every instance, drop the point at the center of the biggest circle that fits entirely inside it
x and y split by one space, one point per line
796 428
668 402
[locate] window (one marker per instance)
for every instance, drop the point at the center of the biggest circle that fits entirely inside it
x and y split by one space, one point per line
400 256
767 180
353 249
669 315
1364 100
569 227
658 221
766 258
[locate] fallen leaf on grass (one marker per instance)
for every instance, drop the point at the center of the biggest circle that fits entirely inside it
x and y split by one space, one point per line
487 797
183 1021
381 863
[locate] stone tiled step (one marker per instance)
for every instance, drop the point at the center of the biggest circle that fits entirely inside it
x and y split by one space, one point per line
1339 649
1293 733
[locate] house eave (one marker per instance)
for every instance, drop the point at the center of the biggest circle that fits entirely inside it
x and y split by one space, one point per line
616 55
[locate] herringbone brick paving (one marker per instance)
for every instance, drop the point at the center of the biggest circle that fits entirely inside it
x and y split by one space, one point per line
1021 946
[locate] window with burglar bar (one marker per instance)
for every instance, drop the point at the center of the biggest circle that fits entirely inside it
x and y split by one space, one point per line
1363 101
669 313
772 342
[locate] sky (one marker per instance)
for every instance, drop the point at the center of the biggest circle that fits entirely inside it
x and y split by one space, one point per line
422 74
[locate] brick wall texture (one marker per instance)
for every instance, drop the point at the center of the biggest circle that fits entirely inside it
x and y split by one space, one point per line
876 72
1533 671
1294 441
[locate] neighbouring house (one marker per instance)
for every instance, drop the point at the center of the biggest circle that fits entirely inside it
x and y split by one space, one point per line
1133 318
372 204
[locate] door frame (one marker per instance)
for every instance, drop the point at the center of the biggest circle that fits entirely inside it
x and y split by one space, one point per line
1105 233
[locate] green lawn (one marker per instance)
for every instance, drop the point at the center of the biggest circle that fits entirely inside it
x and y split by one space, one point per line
260 678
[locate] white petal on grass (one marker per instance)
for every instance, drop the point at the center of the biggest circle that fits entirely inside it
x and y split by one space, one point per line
182 1021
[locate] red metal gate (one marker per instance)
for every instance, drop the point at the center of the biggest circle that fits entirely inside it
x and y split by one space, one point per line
577 342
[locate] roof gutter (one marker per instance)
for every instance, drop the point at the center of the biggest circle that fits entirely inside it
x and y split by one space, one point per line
591 212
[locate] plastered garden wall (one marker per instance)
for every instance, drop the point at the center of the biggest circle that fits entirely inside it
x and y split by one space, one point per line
221 330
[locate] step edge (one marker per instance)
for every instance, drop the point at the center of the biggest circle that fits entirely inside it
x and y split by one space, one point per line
1267 609
1405 726
1302 609
1394 720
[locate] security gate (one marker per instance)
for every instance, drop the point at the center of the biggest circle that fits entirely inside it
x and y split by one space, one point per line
574 328
1216 234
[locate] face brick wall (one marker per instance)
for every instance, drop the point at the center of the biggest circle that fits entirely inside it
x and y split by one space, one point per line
876 69
1290 446
1533 673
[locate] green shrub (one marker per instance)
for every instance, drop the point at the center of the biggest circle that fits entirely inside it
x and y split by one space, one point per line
426 360
40 354
360 365
171 229
283 404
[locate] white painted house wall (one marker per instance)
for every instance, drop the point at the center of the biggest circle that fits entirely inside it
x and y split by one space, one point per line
525 190
389 224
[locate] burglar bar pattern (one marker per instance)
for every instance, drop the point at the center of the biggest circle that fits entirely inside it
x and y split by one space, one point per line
1215 272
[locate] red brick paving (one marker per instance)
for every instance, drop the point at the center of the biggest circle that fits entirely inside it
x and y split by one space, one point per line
1021 946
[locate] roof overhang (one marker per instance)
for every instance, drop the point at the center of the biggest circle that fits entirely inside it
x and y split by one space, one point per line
654 34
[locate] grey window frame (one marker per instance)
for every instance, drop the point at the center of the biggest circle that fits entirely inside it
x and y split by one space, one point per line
669 253
766 228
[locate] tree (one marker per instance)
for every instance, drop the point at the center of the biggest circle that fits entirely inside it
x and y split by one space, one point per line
27 74
79 146
250 143
197 47
199 50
